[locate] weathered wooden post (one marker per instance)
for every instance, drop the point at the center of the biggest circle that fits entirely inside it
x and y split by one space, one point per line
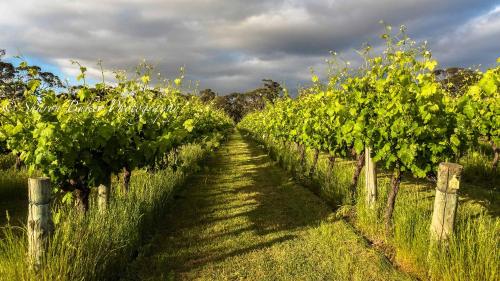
127 173
39 219
103 195
371 179
446 202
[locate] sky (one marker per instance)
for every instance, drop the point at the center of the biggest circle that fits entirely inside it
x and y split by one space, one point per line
230 46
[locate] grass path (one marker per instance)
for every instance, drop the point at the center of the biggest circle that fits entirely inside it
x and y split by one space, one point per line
243 218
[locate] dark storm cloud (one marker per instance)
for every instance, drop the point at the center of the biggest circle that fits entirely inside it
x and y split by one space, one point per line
232 45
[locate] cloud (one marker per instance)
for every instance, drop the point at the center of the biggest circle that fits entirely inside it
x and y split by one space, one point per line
232 45
473 43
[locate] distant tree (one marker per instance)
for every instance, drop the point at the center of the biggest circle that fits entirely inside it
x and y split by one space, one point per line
237 105
232 104
272 90
456 79
14 80
207 95
304 92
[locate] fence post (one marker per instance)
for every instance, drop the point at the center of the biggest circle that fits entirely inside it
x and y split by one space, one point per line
103 194
39 219
446 202
370 179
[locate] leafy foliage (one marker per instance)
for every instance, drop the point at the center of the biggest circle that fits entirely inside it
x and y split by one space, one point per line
79 138
237 105
14 80
479 108
394 104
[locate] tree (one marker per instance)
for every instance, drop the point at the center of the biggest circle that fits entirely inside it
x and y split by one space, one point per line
207 95
15 80
237 105
456 80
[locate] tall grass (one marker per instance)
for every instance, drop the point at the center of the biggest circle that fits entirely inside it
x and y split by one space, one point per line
472 253
7 161
13 184
478 167
13 196
98 246
333 186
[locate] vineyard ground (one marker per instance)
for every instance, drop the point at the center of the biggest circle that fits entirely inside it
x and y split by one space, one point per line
243 217
476 224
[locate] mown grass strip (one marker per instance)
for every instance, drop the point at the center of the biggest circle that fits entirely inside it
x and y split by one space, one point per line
244 218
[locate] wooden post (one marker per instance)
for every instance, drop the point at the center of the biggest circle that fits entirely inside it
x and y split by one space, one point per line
370 179
446 202
126 179
82 193
496 158
103 195
39 219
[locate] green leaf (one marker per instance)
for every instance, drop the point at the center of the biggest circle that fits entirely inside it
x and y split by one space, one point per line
145 79
189 125
455 140
489 86
468 110
429 89
83 94
67 198
34 84
359 145
430 64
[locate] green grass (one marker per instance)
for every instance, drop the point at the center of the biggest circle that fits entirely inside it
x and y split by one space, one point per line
473 251
243 218
7 161
13 196
99 246
478 167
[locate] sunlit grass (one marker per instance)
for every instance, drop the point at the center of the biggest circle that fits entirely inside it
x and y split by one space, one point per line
243 218
99 246
472 253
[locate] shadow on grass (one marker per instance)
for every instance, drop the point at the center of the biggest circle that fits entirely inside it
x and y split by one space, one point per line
489 199
203 259
239 204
